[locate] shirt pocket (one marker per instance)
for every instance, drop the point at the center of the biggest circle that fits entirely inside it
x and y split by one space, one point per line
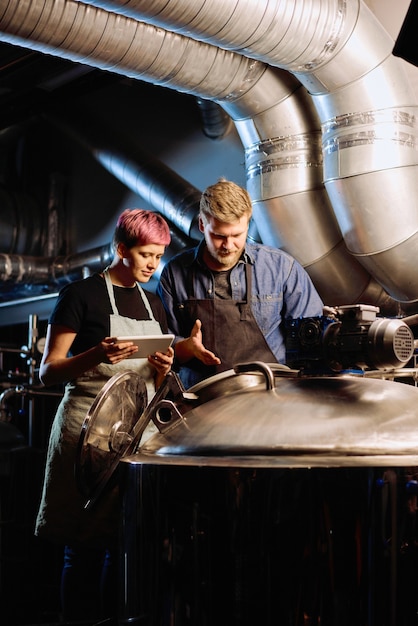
267 309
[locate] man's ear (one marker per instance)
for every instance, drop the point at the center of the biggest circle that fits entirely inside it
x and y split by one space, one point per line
201 225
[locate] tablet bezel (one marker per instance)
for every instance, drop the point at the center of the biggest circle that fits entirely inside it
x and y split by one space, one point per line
148 344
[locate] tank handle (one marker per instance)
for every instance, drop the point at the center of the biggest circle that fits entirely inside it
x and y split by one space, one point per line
258 366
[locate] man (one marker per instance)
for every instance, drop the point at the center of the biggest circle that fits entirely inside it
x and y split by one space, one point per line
226 299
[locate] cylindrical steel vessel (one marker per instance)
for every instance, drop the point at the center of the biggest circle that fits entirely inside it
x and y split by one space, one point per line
285 501
218 546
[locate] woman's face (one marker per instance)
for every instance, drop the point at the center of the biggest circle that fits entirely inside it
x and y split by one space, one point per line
142 261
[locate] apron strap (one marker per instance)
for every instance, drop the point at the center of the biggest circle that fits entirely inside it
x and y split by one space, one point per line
109 287
145 301
110 291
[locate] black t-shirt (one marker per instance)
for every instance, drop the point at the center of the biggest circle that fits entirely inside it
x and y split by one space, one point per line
223 289
84 306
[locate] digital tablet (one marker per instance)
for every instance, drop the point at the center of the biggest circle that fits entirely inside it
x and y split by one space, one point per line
148 344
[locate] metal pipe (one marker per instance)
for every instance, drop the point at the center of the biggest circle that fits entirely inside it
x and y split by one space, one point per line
343 56
11 391
258 98
31 362
38 270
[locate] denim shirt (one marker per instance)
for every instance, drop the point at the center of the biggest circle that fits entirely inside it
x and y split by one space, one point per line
281 288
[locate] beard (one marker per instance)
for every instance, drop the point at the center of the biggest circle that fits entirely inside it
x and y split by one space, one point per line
224 260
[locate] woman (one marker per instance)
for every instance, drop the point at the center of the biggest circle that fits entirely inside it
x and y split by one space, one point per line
82 351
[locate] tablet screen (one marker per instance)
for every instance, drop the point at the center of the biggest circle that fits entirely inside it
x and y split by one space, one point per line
148 344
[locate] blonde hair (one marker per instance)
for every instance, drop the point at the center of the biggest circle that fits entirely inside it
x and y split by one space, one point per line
225 201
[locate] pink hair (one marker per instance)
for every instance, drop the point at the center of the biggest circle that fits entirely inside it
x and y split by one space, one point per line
137 227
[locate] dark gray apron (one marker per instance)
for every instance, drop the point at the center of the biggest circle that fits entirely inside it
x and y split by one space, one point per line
229 330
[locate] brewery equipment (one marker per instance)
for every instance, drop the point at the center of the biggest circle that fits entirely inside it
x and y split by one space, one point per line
268 495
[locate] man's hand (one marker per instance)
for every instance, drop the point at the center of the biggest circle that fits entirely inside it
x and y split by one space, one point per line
199 351
193 346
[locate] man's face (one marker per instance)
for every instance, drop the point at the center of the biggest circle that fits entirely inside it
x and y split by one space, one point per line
225 242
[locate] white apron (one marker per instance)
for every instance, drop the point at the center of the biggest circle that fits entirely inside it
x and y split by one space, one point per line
61 516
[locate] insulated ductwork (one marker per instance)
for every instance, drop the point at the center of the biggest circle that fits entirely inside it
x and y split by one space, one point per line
34 270
145 175
216 124
341 56
314 240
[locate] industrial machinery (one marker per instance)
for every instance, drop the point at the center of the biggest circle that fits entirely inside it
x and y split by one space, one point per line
268 494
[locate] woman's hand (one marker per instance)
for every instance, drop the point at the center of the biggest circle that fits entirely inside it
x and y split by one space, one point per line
57 367
115 351
162 362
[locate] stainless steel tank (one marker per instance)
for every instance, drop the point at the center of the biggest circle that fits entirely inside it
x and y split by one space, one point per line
271 498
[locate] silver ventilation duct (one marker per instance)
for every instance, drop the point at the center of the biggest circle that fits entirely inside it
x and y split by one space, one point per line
34 270
145 175
342 55
350 81
310 232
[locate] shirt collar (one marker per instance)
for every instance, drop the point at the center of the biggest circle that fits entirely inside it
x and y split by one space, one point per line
247 256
